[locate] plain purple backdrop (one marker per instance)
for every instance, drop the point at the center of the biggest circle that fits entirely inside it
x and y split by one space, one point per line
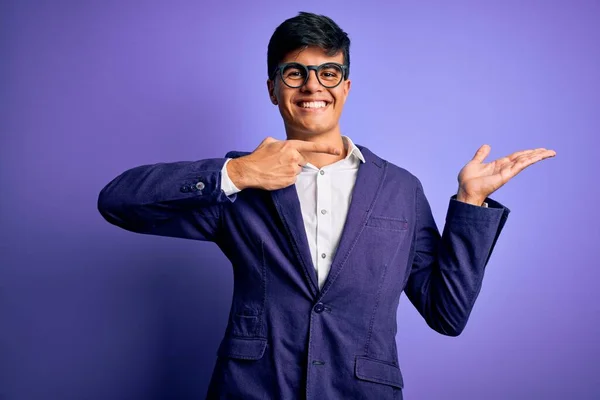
89 89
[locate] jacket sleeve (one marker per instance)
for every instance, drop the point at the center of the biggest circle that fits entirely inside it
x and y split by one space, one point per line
447 271
181 199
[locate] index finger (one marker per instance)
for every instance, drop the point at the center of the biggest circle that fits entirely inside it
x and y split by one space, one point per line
302 145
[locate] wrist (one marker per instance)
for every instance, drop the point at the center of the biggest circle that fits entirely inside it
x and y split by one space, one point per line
235 170
470 199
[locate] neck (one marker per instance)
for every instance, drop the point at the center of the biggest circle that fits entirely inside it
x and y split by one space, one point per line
332 138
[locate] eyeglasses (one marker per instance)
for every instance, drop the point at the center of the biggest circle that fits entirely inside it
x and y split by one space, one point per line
295 75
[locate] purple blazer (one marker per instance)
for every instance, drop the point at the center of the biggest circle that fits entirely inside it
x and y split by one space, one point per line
285 338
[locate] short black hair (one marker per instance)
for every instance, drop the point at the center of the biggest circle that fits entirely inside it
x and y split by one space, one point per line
307 29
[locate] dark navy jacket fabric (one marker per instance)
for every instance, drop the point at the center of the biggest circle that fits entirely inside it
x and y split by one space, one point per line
285 338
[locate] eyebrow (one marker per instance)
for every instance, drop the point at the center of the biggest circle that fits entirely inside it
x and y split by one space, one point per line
311 65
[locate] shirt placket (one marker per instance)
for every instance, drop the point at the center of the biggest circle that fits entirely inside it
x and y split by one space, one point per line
324 256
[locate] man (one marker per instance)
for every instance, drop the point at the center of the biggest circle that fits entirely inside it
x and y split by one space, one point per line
323 236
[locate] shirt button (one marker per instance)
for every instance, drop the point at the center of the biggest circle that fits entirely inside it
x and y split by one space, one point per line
200 185
323 255
323 211
322 172
319 308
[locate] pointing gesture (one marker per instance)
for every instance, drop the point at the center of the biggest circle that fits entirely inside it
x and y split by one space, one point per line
477 180
274 164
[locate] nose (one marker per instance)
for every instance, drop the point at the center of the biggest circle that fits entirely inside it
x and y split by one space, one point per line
312 83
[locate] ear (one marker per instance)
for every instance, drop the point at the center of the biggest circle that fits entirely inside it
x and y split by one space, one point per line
271 89
347 84
346 88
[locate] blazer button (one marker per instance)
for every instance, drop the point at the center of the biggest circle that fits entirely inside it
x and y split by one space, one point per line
319 308
184 189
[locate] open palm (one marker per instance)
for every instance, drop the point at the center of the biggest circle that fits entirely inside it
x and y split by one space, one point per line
477 180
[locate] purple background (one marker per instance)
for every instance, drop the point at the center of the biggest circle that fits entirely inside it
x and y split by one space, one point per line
88 311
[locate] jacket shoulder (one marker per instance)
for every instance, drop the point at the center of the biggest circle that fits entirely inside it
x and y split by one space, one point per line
394 171
401 172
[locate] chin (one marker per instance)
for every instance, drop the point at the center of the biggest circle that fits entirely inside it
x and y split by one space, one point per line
315 130
309 128
315 127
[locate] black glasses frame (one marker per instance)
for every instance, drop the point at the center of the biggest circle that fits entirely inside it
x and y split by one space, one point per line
307 69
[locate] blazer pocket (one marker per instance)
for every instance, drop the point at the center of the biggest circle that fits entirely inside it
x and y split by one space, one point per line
394 224
372 370
242 348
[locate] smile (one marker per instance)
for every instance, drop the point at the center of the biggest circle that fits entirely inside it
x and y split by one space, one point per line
312 105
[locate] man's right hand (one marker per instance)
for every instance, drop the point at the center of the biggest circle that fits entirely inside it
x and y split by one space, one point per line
274 164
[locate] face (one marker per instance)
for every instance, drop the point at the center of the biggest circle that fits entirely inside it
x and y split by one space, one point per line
301 108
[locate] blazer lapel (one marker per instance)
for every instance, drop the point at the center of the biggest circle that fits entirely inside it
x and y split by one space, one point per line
366 190
288 207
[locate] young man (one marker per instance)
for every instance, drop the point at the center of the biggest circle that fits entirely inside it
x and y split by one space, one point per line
323 236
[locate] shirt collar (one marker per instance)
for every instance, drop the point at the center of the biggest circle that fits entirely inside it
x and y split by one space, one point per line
353 151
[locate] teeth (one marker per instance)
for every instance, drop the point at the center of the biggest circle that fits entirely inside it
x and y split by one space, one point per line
313 104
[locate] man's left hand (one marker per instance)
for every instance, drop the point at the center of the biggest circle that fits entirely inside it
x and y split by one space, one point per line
477 180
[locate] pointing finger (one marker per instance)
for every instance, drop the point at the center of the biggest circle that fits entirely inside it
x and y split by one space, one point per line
303 146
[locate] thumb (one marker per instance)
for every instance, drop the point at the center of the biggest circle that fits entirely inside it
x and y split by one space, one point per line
482 153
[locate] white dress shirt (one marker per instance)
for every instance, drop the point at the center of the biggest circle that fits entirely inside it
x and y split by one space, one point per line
324 196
